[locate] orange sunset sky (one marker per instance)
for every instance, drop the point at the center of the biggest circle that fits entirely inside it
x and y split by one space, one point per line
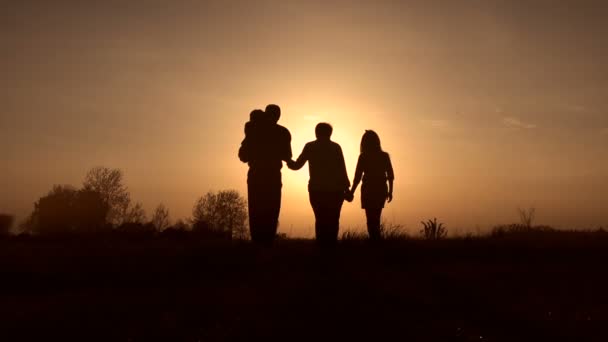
485 106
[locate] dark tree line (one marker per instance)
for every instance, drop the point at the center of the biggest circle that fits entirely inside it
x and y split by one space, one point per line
6 222
103 204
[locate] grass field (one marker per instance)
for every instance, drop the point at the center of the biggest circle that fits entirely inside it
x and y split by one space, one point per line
541 287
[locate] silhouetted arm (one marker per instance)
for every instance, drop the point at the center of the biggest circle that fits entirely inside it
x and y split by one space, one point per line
302 159
390 175
358 174
288 153
342 165
285 144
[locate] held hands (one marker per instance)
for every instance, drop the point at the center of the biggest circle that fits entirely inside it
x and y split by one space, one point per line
348 195
291 164
389 197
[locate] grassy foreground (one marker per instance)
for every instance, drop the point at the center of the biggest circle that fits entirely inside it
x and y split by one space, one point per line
538 287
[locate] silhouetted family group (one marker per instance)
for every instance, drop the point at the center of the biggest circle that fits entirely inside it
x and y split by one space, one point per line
267 144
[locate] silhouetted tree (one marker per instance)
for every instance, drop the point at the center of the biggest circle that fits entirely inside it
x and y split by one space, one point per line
526 216
65 209
135 214
6 222
160 219
221 214
90 211
109 183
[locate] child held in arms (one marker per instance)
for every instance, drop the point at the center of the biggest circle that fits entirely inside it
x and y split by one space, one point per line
254 133
264 138
255 121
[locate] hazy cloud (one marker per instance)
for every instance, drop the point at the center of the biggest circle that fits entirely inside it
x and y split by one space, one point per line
576 108
436 123
516 123
604 131
311 118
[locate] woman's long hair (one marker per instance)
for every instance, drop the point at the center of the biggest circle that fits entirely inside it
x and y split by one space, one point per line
370 142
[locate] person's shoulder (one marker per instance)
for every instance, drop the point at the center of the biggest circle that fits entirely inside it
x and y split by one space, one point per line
336 146
386 157
310 144
308 147
282 131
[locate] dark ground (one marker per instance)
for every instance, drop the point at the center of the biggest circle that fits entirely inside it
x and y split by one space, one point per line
534 288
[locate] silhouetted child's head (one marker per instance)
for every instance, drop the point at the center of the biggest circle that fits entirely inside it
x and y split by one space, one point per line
255 118
274 112
256 115
370 142
323 131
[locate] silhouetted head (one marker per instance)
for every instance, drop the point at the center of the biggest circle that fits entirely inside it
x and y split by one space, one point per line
370 142
323 131
256 115
274 112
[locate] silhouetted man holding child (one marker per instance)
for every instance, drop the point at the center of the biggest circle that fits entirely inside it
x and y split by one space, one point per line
266 145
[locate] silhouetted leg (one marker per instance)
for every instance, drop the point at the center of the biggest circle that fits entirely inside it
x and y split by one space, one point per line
335 207
264 197
274 208
325 230
326 206
373 223
316 199
255 209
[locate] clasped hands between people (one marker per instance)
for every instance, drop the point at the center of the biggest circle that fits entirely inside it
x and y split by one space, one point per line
349 193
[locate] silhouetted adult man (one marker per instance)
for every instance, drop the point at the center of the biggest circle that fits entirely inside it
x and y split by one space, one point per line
265 155
328 183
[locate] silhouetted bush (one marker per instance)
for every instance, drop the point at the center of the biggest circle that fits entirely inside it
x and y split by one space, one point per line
353 235
6 222
393 231
388 231
432 230
517 229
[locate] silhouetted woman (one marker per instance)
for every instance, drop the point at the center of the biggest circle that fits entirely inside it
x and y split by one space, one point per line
375 168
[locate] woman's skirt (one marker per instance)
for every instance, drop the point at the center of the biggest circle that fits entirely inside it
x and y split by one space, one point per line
373 196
